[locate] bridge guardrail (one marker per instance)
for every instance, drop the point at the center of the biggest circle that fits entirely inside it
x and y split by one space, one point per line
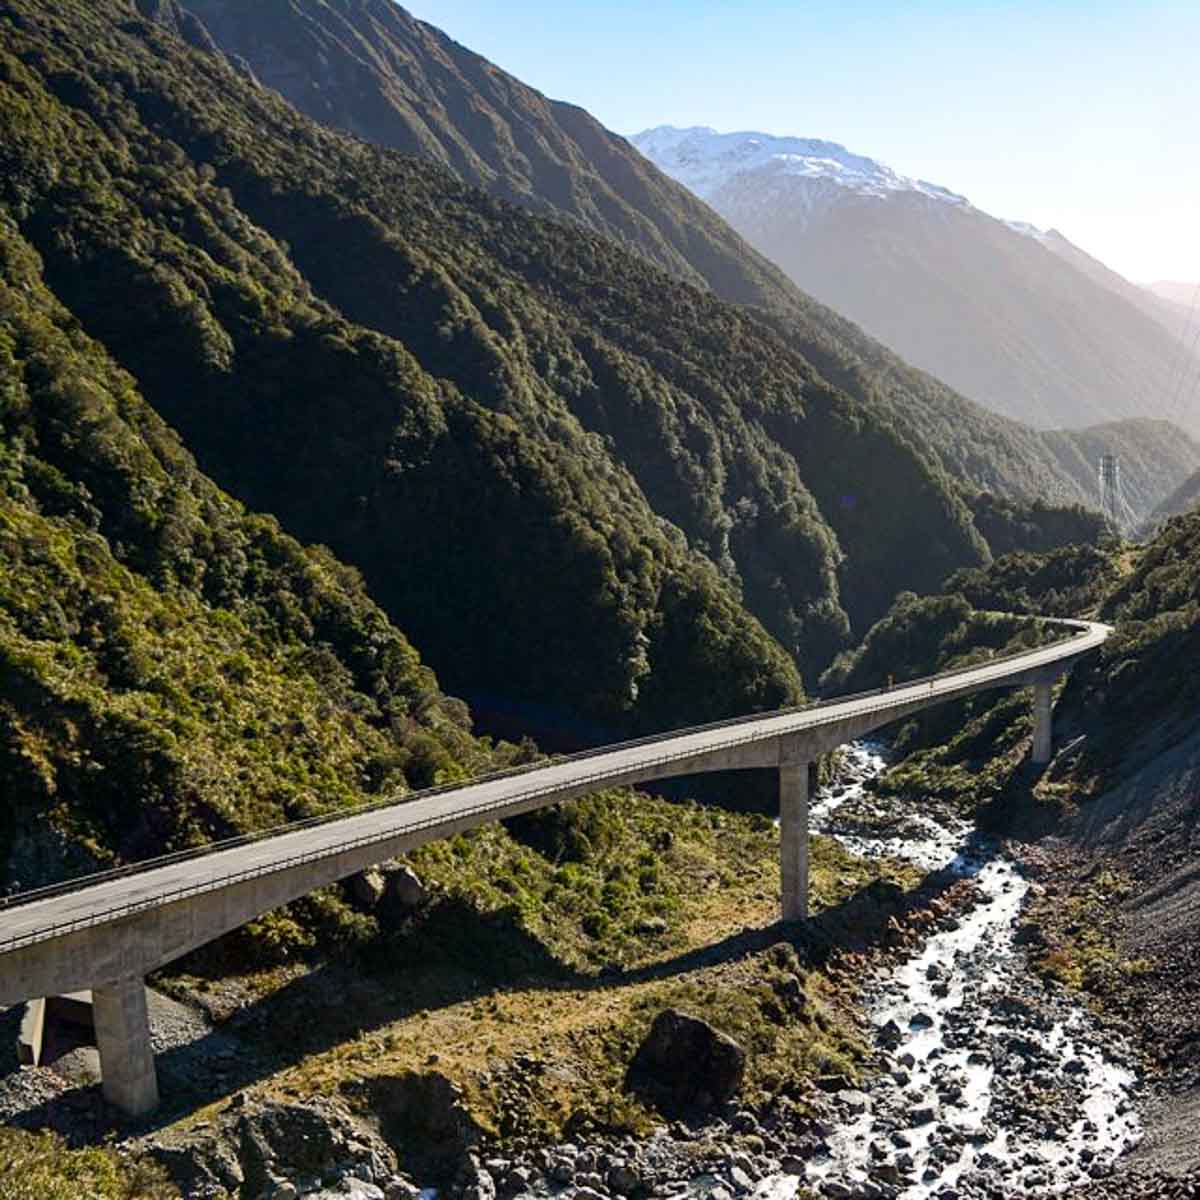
127 908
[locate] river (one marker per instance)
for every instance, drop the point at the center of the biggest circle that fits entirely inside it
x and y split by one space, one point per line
990 1077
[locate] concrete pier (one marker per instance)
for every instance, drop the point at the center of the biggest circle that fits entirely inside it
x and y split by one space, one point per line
793 839
122 1023
1043 722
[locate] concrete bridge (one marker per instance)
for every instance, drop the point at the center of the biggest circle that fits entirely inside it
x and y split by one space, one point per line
107 932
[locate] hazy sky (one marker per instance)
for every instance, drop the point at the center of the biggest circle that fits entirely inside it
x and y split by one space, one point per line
1084 116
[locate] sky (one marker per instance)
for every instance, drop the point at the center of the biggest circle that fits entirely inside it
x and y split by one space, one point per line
1078 116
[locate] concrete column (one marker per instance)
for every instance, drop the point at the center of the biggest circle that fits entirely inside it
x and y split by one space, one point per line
123 1038
1043 723
793 839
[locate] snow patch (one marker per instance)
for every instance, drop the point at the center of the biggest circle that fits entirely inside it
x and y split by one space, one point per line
704 161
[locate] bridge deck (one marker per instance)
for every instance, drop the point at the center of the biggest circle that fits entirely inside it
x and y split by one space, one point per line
441 811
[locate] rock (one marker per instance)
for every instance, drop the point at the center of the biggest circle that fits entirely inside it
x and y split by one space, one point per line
685 1064
854 1102
740 1180
424 1112
623 1178
207 1165
312 1138
652 925
405 889
790 990
368 887
889 1035
791 1165
562 1170
476 1180
515 1181
359 1189
401 1189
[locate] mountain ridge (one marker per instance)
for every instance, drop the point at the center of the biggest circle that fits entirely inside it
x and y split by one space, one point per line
1028 325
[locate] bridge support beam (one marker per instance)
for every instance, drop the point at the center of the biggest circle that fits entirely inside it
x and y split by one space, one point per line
793 839
122 1022
1043 722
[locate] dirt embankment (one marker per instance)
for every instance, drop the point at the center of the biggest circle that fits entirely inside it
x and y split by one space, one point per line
1120 919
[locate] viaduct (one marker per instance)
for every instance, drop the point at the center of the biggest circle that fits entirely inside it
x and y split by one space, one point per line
107 932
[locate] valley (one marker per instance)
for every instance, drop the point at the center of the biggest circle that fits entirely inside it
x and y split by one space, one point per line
542 666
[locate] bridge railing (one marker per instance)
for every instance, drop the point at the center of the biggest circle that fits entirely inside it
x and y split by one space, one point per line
91 880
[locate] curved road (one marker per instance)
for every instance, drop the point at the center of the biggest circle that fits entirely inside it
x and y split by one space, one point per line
107 932
423 817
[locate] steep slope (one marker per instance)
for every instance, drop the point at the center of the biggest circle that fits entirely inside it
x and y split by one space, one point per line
1184 498
557 467
1167 312
1155 456
370 68
366 66
981 304
1111 825
1176 293
173 669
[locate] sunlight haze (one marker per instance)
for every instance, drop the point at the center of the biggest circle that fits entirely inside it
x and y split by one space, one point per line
1074 116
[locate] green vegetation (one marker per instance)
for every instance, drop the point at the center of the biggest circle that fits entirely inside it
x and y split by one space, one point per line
514 429
1036 527
172 669
924 635
38 1166
548 947
965 752
1185 498
1078 934
1144 677
1069 582
448 104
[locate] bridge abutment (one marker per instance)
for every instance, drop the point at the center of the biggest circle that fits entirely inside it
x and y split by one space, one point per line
128 1077
793 839
1043 722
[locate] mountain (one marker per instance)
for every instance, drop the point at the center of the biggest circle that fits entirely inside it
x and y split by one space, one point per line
1183 499
1176 293
368 67
1001 312
583 487
173 668
1167 311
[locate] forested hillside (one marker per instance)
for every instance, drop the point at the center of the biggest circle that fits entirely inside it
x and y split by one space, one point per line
173 669
522 435
1184 498
368 67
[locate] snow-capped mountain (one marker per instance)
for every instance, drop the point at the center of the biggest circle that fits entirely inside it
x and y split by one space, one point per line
1012 315
704 161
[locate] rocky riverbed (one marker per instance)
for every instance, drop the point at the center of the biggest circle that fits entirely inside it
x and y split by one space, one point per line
986 1082
989 1078
983 1081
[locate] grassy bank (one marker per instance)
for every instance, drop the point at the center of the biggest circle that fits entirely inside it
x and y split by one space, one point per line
547 949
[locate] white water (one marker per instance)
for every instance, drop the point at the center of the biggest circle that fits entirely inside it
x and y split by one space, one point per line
961 1048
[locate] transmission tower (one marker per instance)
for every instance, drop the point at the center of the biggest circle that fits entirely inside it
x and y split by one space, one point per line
1112 499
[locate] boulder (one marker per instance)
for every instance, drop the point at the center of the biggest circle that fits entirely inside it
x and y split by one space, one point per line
684 1064
404 888
425 1115
368 887
312 1138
